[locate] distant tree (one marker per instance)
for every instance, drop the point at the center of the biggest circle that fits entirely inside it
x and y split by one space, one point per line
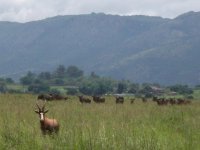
38 88
181 89
146 90
74 72
121 87
72 91
9 80
93 75
97 86
103 86
44 76
60 71
28 78
86 88
55 91
3 87
59 81
133 88
37 81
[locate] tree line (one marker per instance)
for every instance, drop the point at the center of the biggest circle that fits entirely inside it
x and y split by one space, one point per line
74 81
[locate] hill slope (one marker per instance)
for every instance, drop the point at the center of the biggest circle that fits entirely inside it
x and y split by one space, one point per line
138 48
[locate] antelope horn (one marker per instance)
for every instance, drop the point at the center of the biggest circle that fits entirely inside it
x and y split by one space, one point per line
38 106
43 107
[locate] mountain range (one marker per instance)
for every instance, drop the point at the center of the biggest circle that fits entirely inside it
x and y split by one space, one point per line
136 48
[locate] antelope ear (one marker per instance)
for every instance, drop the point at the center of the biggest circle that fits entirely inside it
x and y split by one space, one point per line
37 111
46 111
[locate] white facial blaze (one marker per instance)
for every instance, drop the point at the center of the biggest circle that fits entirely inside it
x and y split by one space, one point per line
41 116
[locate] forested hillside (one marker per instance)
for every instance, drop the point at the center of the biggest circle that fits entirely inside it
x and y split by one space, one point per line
137 48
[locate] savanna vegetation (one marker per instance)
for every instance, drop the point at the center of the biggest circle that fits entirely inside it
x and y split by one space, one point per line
138 126
131 125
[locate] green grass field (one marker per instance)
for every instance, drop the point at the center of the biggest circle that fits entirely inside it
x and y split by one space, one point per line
140 126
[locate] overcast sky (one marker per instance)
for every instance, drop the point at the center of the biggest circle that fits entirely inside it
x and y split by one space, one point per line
28 10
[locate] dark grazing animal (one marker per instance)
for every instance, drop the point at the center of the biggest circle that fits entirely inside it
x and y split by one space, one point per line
50 97
58 97
98 99
132 100
46 125
119 100
172 101
84 99
183 101
144 100
45 97
162 102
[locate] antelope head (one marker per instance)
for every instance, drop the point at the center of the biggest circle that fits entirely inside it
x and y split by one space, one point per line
41 111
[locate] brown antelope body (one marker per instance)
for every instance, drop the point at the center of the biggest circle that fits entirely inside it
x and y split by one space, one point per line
47 125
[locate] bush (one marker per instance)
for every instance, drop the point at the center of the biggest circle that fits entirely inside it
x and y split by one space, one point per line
3 88
181 89
55 91
38 88
72 91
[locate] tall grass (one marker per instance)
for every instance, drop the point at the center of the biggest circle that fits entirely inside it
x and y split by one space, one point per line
140 126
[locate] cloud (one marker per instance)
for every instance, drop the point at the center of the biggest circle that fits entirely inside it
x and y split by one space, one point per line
27 10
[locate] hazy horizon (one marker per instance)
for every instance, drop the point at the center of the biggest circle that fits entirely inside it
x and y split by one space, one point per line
32 10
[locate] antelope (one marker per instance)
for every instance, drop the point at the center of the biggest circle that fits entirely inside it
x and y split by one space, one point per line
46 124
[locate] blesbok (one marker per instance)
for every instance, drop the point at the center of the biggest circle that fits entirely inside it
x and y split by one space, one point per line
46 125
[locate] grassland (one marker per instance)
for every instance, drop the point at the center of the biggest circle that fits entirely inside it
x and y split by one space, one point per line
140 126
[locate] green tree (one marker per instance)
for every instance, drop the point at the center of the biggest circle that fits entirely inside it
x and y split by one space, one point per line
38 88
74 72
181 89
28 78
103 86
121 87
59 81
146 89
44 76
60 71
87 88
133 88
9 80
3 87
93 75
72 91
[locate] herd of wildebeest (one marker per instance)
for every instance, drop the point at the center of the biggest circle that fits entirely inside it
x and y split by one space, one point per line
51 125
118 99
